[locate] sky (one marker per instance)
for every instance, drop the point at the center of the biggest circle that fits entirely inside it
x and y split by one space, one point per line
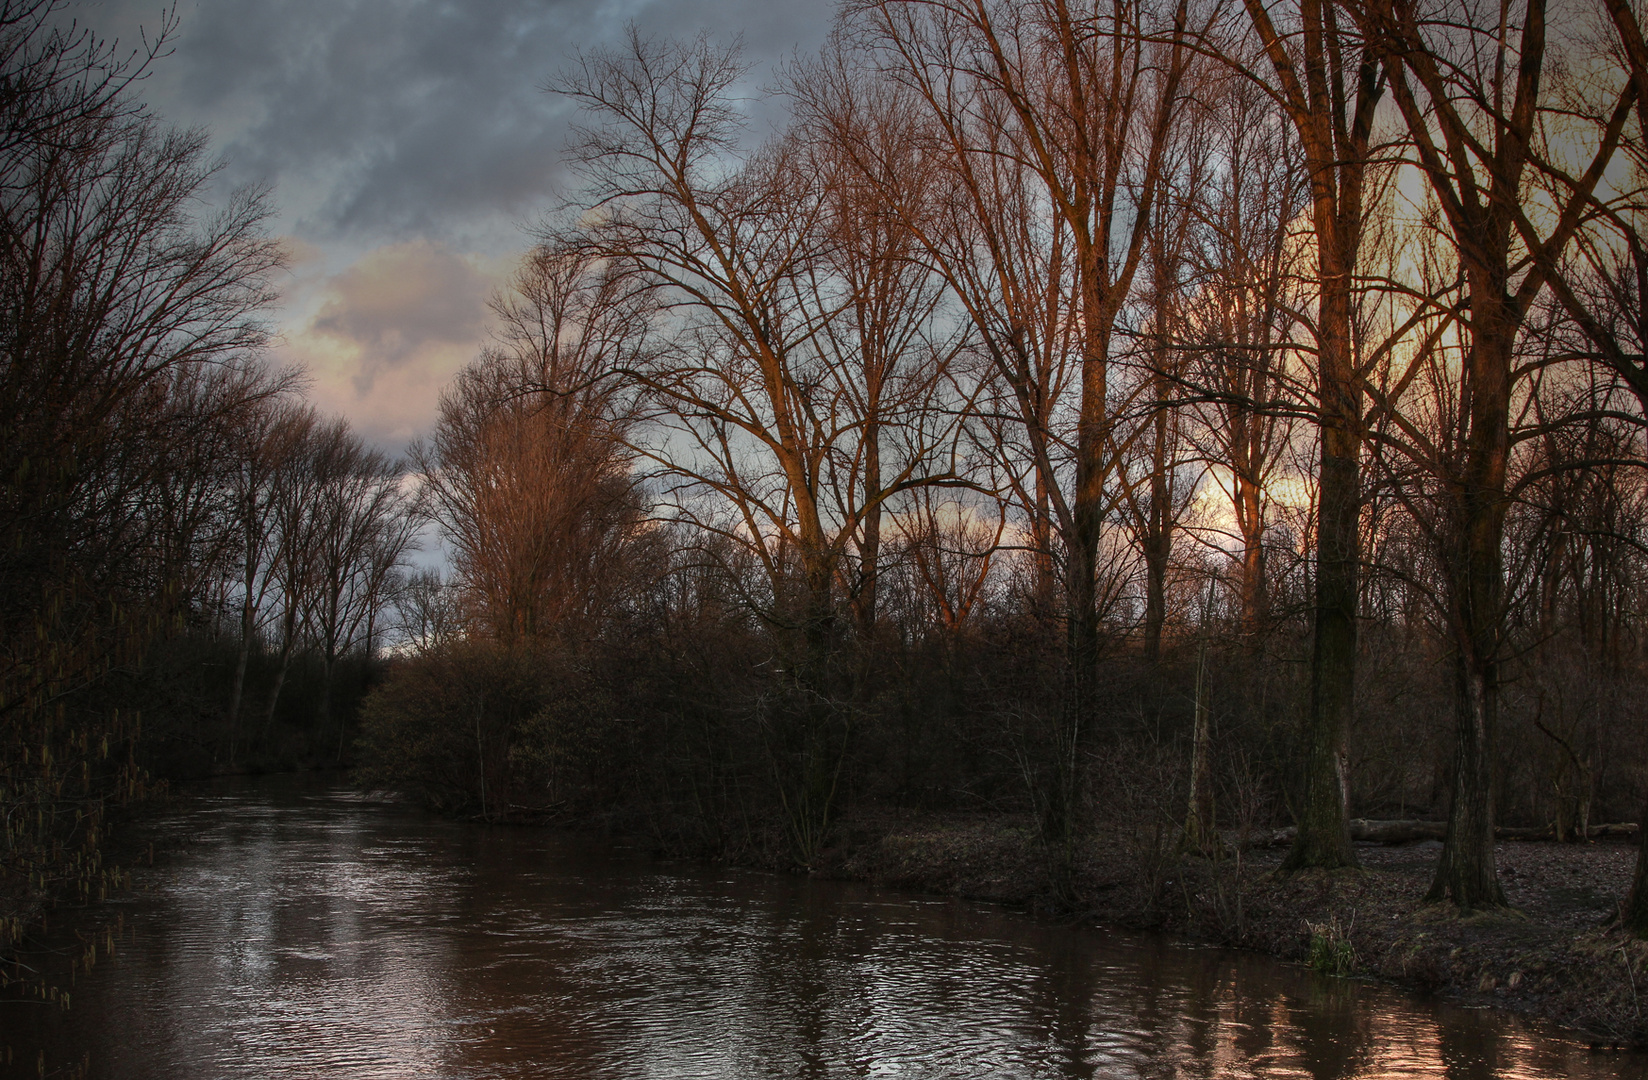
408 147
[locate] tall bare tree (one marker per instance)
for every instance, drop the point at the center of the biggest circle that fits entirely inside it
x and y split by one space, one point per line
1053 124
1603 288
788 374
896 362
363 527
525 472
116 299
263 451
1242 332
534 499
295 537
1473 91
1328 82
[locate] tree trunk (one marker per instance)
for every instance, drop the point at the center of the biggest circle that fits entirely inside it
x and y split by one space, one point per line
1634 915
1199 825
289 632
274 695
1157 550
323 721
1323 839
1158 545
808 741
248 619
1041 533
1250 520
869 548
1465 873
243 654
1063 796
1331 101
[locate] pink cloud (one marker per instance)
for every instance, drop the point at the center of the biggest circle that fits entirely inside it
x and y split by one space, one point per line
383 337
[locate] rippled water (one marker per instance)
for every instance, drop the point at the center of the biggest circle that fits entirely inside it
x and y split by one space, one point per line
309 932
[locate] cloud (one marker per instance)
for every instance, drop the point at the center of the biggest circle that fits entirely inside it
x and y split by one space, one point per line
379 118
399 300
385 335
376 120
397 134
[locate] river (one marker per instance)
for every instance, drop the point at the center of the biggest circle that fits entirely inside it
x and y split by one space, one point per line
304 930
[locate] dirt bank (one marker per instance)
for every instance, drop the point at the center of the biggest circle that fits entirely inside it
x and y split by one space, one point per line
1553 955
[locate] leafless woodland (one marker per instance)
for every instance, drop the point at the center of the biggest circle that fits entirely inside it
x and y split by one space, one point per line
1242 402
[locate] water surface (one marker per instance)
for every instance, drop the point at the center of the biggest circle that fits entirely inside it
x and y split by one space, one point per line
306 931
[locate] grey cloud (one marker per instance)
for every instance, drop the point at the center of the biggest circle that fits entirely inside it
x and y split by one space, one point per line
378 120
384 118
404 140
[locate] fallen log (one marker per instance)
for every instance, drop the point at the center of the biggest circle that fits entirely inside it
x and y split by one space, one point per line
1365 831
1369 831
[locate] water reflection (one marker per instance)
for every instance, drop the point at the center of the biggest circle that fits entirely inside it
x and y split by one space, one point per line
310 932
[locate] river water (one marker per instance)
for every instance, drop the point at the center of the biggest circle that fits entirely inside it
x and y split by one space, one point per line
305 931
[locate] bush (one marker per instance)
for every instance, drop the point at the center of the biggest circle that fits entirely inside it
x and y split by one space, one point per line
479 728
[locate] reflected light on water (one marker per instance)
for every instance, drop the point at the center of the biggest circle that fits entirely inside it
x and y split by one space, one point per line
309 932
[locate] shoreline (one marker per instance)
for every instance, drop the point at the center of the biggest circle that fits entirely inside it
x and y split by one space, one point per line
1551 957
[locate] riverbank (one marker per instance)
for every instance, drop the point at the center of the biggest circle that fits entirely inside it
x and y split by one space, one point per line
1551 956
321 931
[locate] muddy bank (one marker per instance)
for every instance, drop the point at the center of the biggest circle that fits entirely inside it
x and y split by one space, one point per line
1553 956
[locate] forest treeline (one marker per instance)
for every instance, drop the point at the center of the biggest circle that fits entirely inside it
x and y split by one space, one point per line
194 563
1160 419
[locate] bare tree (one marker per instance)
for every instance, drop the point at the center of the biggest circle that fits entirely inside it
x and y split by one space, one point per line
429 618
533 497
1328 82
721 243
363 526
1474 96
896 363
295 536
116 302
951 547
1053 125
788 407
1242 329
1603 288
263 450
106 291
1155 476
526 473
